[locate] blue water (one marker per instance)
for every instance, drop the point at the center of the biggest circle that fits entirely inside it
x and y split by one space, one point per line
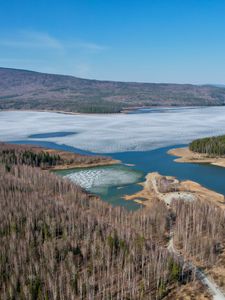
111 190
161 110
212 177
51 134
51 145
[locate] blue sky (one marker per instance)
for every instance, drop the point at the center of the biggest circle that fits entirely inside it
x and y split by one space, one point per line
179 41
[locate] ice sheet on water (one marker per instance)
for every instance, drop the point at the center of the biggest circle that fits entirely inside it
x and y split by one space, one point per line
97 179
116 132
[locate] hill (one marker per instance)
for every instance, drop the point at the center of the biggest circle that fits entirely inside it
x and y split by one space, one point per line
21 89
58 242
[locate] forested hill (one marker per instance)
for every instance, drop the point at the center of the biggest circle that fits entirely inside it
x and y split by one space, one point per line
212 146
21 89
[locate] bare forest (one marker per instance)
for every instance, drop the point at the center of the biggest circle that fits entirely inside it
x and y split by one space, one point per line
58 242
199 231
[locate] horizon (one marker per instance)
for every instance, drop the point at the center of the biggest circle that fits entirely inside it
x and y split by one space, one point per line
163 42
122 81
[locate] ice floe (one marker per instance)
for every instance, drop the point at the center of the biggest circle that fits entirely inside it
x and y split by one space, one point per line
99 179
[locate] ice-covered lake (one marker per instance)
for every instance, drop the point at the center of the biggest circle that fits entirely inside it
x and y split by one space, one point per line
130 138
99 179
116 132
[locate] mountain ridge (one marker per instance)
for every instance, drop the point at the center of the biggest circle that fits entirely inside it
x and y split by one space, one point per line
25 89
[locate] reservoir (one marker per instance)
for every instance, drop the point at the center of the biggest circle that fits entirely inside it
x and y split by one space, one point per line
212 177
140 140
111 183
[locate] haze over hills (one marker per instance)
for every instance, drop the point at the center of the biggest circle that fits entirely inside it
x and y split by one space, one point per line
22 89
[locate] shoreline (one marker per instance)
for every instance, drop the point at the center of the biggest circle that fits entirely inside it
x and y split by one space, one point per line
64 160
167 188
83 166
123 111
187 156
103 161
59 112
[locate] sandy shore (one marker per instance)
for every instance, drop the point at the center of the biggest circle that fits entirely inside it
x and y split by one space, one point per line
187 156
167 188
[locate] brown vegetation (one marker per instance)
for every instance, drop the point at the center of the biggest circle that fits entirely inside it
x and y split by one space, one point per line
190 291
199 230
198 221
48 158
57 242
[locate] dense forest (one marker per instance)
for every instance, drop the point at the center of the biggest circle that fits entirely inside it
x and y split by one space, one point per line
212 146
44 158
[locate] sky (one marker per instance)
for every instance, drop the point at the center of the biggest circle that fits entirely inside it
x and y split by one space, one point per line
179 41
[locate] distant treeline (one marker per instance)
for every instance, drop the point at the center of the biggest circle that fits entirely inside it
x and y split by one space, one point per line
78 106
213 146
27 90
95 106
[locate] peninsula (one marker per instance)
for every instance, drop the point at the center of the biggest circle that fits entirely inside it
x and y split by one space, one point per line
209 150
169 188
50 159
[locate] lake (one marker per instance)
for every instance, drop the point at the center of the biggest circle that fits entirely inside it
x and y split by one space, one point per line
140 139
212 177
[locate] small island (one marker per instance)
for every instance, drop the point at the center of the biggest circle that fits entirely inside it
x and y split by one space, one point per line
209 150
